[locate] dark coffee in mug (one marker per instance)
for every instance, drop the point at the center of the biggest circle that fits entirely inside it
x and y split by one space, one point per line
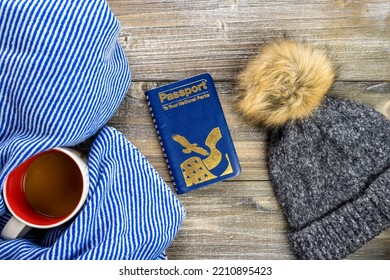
53 184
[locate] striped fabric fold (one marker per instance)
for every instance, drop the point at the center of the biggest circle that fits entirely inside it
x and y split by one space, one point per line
62 76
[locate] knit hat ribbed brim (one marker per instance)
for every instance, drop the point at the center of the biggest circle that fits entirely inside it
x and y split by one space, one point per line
349 227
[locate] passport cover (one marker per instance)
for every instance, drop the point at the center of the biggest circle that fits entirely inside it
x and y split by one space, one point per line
193 133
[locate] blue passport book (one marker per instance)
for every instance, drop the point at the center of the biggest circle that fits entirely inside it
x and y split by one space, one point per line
193 133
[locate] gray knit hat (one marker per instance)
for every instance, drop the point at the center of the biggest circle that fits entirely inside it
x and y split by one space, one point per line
329 160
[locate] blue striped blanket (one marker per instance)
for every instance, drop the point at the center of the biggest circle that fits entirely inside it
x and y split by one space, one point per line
62 76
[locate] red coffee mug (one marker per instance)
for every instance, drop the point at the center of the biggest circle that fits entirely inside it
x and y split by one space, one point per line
24 216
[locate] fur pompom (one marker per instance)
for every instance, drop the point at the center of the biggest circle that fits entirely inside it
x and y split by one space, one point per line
285 81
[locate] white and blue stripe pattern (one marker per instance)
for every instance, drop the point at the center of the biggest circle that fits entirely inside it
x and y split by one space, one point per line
62 76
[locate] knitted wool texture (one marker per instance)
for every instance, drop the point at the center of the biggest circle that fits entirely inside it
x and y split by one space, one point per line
329 158
331 174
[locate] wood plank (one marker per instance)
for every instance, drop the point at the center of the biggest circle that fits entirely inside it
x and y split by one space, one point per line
245 222
170 40
124 7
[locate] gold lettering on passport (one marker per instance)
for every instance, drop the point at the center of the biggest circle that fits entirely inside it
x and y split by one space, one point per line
185 92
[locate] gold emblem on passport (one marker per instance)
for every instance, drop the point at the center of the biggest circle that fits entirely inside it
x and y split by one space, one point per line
197 170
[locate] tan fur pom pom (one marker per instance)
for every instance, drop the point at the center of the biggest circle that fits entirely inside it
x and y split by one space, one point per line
285 81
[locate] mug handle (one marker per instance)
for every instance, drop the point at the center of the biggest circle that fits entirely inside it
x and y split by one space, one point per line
14 229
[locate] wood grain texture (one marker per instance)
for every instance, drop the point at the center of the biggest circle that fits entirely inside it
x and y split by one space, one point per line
167 40
170 40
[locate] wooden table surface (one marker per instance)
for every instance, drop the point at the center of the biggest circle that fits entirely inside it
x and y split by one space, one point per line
168 40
